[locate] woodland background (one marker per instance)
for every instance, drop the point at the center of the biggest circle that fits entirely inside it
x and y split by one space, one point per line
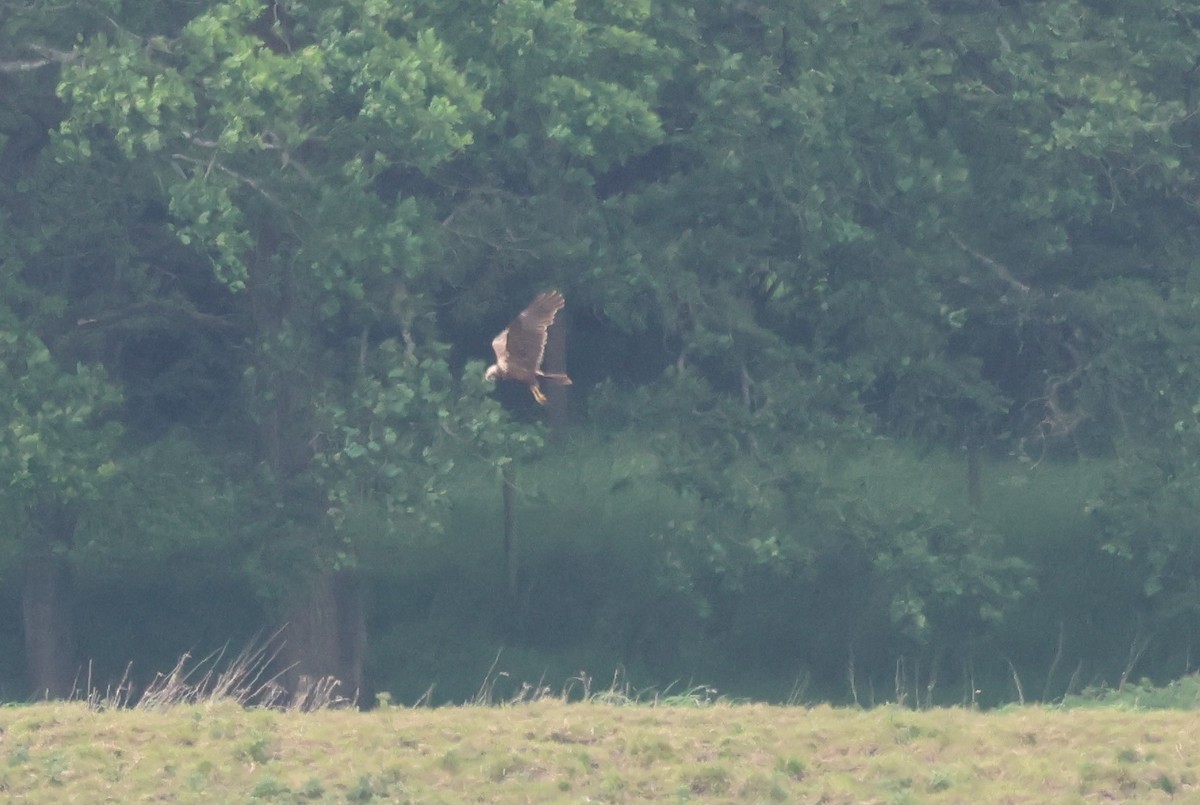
881 317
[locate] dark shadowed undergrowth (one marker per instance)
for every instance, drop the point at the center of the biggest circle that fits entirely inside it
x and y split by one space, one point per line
615 570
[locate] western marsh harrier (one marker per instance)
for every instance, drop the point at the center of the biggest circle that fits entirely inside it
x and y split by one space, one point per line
521 346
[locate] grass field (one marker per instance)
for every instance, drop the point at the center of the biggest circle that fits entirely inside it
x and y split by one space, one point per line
550 751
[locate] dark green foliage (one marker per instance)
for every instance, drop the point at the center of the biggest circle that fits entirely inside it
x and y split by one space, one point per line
252 257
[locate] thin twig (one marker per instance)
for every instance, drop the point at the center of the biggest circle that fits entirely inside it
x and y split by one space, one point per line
1016 681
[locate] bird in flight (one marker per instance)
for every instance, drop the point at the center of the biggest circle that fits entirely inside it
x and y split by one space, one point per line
521 346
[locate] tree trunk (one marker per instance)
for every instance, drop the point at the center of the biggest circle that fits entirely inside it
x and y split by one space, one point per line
509 492
325 639
46 606
558 408
324 630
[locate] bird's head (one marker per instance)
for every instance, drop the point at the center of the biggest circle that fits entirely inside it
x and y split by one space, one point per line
492 374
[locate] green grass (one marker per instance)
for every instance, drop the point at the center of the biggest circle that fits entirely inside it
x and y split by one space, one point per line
551 751
1179 694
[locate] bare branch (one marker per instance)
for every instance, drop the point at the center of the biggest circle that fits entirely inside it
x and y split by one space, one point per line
47 56
146 310
246 180
997 268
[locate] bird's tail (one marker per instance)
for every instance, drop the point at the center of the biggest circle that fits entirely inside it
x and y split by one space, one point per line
556 377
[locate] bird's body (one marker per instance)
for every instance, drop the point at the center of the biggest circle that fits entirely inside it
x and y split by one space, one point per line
521 347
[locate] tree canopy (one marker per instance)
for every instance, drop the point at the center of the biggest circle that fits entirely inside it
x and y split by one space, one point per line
253 254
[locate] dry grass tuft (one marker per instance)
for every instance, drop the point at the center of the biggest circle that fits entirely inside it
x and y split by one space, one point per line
247 679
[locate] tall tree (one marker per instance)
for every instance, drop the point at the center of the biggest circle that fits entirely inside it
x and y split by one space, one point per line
306 151
281 139
58 438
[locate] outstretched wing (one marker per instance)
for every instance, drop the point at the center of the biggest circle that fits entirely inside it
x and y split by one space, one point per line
520 348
